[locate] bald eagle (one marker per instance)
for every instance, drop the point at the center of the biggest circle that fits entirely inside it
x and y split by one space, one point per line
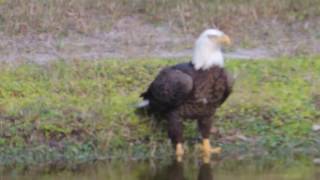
192 90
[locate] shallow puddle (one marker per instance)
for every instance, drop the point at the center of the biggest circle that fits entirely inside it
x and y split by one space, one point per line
171 170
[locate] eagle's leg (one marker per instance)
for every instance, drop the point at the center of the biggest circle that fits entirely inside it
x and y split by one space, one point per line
204 128
175 134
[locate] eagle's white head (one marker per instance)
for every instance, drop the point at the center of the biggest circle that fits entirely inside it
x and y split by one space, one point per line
207 49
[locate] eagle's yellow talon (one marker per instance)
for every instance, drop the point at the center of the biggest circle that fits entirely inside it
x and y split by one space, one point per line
206 159
207 150
206 147
179 152
216 150
179 158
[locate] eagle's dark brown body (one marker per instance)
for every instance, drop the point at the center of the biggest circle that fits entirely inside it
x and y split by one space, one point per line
181 91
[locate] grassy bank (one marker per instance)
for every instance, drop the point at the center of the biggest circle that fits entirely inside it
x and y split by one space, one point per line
84 110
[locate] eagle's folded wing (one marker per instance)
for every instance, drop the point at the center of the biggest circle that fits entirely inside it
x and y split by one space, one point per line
170 88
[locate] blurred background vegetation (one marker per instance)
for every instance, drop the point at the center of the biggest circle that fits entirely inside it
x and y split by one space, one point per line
163 28
58 16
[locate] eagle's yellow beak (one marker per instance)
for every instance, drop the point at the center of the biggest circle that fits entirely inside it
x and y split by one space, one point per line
224 40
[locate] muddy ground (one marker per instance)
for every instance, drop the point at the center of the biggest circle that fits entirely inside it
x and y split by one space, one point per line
132 37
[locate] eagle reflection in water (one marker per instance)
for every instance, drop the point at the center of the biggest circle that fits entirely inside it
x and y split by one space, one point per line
175 171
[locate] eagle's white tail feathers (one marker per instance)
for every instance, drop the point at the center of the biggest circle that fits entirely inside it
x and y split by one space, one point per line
143 104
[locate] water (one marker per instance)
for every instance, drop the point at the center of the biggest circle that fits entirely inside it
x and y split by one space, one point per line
170 170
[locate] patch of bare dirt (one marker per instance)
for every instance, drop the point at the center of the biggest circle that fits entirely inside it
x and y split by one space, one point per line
132 37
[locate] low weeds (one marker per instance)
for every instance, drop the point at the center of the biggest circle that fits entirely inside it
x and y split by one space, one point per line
89 16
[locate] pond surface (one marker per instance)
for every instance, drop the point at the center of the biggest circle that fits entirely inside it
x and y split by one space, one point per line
171 170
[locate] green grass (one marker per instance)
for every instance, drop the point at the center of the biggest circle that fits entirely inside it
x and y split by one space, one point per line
82 110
